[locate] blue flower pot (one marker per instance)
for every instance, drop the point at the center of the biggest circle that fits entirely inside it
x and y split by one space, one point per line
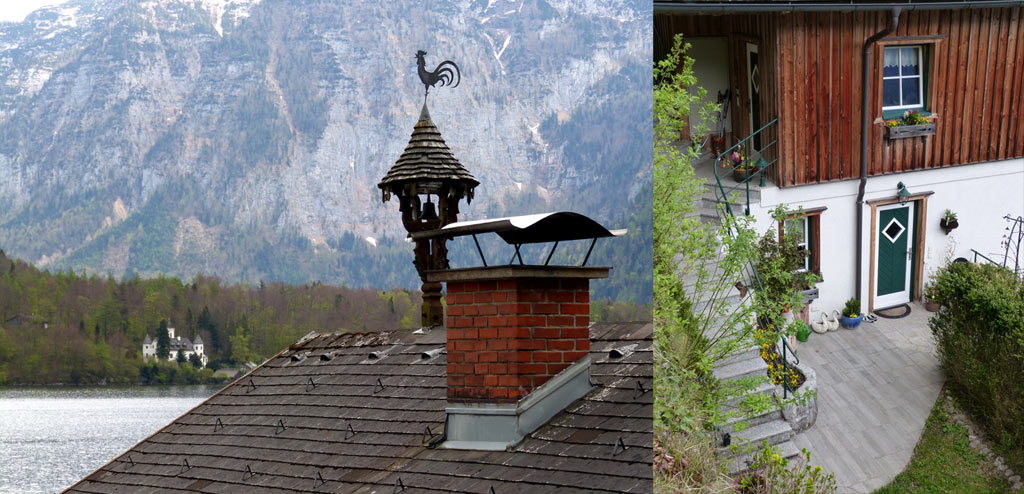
851 322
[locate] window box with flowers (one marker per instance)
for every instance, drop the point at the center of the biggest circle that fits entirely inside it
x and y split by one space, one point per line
912 124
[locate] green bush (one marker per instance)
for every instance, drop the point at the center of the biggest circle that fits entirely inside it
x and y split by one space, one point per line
852 308
979 335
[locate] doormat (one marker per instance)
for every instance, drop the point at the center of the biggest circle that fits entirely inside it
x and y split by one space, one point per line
894 312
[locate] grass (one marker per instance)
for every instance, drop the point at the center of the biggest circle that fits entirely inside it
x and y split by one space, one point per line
945 462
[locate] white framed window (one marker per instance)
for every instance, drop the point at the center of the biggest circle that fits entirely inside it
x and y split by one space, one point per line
902 79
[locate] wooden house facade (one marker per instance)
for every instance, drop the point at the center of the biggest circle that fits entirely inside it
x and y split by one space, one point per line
958 64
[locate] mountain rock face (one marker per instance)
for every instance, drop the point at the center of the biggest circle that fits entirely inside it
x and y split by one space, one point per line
245 138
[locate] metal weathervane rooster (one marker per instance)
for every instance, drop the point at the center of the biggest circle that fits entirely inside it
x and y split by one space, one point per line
446 73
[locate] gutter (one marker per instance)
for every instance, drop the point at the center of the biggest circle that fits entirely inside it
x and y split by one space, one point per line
865 125
748 7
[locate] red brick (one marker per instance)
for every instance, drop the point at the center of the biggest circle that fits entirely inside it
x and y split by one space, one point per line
470 334
507 284
525 344
561 321
547 356
497 344
470 357
524 357
575 309
508 380
583 321
463 298
464 345
480 370
465 310
556 368
561 345
489 357
480 321
463 368
488 333
455 287
495 321
487 286
490 380
583 297
486 310
533 368
500 393
498 297
450 368
514 333
545 308
479 345
455 310
576 332
456 357
531 296
506 356
532 320
583 344
514 308
561 297
449 299
482 298
497 369
573 356
547 332
455 334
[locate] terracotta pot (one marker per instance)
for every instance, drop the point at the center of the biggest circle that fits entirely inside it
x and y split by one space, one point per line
741 174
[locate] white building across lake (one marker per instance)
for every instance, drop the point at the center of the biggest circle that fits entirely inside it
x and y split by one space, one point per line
178 345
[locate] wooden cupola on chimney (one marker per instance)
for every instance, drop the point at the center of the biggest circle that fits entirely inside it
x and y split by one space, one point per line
428 171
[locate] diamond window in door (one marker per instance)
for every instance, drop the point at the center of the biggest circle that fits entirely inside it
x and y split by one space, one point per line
893 230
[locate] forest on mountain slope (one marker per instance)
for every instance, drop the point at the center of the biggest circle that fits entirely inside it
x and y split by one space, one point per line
68 328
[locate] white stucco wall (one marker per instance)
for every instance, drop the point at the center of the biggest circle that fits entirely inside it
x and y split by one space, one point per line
981 194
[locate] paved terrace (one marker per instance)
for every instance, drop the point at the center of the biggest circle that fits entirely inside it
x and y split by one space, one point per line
876 386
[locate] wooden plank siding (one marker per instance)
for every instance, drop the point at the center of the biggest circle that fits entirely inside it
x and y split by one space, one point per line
812 65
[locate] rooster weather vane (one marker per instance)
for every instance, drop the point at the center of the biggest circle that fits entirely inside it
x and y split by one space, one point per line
446 73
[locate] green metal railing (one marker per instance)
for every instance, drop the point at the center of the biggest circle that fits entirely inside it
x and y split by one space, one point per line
724 166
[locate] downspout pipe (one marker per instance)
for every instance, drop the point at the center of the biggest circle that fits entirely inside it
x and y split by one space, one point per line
865 126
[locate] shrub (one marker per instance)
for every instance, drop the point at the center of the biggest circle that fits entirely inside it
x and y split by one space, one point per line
852 308
979 335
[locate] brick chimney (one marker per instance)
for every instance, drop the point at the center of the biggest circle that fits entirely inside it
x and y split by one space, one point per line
518 344
507 336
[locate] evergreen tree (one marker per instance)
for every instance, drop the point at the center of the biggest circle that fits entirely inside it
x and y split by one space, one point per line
163 341
181 357
195 361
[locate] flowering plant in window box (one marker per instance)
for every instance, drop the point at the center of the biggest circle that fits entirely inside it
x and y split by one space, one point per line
912 124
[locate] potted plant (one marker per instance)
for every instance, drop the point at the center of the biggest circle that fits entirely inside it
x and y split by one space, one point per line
802 331
948 222
851 314
742 169
912 124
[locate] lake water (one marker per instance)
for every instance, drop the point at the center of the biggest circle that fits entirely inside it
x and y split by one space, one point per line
52 437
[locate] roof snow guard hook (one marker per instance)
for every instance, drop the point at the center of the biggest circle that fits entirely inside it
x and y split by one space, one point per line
639 390
620 447
349 431
399 486
378 386
279 428
218 426
184 466
310 385
131 462
250 387
248 473
319 480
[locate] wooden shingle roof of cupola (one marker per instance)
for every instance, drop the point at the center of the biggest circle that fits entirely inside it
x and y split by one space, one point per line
426 163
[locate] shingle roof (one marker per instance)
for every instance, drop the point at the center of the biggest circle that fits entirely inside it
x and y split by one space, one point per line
318 410
427 157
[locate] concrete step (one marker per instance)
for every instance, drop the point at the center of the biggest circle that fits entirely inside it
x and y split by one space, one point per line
787 449
765 388
764 417
754 366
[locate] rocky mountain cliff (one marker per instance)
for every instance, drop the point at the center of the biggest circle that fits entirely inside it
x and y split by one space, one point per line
245 138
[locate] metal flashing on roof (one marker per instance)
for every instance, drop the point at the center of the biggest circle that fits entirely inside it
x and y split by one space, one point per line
528 229
499 426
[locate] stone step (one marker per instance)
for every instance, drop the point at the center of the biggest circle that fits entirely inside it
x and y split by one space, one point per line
754 366
773 413
787 449
765 388
773 432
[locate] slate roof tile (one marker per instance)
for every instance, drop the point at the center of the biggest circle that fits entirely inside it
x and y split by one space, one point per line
575 452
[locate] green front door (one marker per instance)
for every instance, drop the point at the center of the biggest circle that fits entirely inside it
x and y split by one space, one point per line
893 251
